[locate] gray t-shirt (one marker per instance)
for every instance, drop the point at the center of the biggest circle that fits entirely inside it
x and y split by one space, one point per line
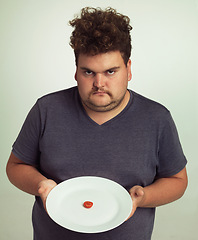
136 147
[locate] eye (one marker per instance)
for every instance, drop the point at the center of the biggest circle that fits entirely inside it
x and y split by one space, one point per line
110 72
88 73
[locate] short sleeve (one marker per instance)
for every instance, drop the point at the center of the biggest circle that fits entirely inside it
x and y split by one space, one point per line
171 159
26 146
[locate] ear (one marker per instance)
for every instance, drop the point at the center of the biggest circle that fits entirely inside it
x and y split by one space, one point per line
129 70
75 76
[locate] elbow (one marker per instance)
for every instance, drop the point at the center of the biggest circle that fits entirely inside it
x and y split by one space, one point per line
182 182
12 167
184 185
9 171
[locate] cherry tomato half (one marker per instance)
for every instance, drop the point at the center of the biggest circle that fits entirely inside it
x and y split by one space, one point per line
87 204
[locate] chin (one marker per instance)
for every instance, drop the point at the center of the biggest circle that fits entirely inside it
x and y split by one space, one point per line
101 107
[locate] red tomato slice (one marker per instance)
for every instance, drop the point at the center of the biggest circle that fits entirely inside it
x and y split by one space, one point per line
87 204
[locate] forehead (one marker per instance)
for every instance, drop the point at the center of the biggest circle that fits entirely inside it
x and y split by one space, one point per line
101 61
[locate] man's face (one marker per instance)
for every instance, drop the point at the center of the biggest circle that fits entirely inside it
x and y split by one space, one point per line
102 80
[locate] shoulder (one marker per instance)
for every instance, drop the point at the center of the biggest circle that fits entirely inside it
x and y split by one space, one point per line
147 105
61 101
149 111
65 97
59 95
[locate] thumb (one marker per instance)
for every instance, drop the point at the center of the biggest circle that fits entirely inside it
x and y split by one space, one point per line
43 193
136 191
44 189
139 192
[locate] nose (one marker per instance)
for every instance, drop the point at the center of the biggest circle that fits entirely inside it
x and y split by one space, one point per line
98 80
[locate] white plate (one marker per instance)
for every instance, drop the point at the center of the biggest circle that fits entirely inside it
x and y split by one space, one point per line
112 204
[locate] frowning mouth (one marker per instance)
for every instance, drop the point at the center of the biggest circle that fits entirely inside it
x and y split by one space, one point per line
99 93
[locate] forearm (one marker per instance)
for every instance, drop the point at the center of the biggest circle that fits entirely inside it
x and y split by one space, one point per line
163 191
23 176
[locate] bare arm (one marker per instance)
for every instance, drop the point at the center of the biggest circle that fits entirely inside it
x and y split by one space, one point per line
28 178
162 191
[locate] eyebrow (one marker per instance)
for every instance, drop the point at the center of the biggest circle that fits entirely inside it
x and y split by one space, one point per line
110 69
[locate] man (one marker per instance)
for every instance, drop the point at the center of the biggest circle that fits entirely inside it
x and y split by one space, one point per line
100 128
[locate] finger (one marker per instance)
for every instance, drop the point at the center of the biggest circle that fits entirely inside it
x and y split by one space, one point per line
132 212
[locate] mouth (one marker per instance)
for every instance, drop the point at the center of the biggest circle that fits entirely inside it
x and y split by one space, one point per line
99 93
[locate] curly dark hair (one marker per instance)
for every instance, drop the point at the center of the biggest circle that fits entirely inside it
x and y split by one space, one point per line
98 31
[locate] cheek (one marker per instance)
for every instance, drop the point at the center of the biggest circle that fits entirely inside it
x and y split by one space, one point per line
84 87
120 83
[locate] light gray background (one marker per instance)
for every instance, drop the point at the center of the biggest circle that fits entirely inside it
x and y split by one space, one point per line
36 59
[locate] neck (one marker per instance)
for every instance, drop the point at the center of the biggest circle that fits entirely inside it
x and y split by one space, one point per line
102 117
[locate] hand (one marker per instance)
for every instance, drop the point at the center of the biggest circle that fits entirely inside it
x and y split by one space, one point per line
44 188
137 194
